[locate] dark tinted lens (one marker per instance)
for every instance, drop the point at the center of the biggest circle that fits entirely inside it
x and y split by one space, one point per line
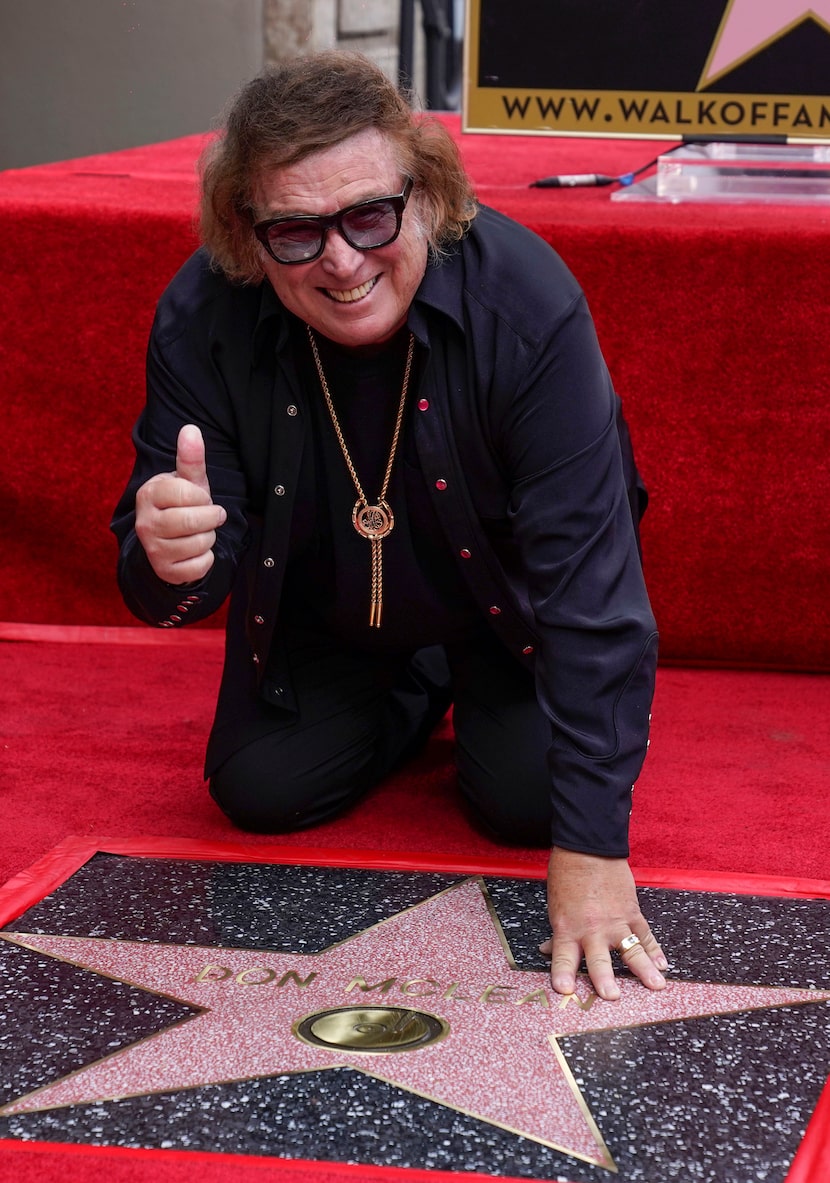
371 225
295 240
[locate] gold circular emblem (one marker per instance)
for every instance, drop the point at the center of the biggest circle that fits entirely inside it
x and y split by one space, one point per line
372 521
371 1029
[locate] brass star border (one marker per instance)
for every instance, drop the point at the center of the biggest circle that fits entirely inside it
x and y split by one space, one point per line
446 959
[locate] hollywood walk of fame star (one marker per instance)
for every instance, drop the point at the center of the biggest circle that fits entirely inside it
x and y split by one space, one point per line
445 959
749 26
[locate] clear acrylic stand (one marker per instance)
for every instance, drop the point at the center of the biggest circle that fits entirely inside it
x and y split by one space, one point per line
737 172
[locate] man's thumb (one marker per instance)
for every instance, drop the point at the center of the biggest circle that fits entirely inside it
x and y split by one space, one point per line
190 457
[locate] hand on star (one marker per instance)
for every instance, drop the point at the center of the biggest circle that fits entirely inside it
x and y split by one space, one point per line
593 907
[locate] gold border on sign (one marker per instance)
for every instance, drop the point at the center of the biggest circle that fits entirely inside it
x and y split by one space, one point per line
645 115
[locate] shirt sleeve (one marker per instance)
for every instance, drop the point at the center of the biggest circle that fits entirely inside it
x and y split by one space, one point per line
571 515
183 386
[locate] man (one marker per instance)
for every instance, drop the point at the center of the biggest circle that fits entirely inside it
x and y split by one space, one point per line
378 418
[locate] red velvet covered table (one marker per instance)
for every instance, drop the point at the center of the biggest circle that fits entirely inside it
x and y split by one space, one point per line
713 319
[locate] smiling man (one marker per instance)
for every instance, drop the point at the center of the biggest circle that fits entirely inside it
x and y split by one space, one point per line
379 419
353 296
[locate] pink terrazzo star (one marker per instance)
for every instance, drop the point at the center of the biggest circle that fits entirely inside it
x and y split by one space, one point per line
750 25
500 1061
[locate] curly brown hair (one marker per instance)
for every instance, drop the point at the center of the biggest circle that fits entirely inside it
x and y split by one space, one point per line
305 105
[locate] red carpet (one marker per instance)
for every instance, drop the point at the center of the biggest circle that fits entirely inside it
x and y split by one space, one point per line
106 739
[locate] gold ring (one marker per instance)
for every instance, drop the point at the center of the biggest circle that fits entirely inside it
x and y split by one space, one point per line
628 943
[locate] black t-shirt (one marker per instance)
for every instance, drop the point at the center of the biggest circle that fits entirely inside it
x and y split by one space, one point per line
329 574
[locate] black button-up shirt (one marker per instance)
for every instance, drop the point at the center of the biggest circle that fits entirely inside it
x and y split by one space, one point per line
526 459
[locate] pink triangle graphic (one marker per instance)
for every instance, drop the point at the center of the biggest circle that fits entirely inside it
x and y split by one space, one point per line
750 25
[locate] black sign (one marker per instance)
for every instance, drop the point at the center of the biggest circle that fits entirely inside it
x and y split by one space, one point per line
649 68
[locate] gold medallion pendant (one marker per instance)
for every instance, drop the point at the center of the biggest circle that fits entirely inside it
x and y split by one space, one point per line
373 521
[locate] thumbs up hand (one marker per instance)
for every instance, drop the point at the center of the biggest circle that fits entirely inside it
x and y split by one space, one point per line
175 518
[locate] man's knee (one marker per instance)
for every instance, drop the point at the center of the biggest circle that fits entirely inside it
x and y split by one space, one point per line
514 827
257 815
262 799
509 801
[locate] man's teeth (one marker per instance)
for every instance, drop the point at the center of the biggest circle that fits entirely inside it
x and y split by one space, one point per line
353 294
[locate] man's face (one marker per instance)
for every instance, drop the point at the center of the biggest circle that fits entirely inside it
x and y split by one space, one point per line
356 298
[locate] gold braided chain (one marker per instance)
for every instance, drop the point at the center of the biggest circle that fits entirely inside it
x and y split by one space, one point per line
372 522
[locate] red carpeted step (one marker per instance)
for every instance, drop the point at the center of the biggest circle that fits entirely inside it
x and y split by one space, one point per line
108 738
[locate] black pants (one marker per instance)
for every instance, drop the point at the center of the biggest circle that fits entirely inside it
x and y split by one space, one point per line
363 715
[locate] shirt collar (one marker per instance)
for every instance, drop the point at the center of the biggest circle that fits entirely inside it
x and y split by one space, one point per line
272 324
441 290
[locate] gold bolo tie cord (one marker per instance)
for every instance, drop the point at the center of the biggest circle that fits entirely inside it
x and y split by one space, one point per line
371 521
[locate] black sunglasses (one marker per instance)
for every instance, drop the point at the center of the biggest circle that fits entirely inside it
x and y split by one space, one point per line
364 225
